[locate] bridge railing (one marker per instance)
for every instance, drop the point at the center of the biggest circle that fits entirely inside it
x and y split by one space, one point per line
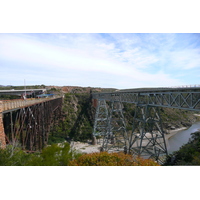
186 86
13 104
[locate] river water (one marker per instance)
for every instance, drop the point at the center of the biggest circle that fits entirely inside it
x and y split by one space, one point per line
181 138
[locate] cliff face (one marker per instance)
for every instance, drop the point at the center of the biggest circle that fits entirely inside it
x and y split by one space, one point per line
77 118
78 115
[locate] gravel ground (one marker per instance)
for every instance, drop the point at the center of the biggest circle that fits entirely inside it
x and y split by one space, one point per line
85 147
89 148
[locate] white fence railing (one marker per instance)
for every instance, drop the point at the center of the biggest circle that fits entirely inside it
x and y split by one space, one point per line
186 86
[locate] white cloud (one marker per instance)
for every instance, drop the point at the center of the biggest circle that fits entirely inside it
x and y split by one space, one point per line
186 58
125 60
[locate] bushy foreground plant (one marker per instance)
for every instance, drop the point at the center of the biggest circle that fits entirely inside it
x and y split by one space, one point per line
53 155
111 159
13 156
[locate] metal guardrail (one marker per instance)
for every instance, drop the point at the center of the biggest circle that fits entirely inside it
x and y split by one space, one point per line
186 86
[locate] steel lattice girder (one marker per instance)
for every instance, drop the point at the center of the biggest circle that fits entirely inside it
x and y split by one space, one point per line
179 99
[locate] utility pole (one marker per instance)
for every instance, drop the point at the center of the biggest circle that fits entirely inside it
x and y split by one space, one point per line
25 88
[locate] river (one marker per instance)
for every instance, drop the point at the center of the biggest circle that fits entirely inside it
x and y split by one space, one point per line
181 138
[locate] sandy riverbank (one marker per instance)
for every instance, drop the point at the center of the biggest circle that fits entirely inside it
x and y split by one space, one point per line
198 115
174 132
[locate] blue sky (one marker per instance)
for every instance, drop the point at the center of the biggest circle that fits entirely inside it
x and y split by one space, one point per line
113 60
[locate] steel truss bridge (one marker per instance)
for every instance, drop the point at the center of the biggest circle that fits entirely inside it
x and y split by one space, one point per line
28 122
147 137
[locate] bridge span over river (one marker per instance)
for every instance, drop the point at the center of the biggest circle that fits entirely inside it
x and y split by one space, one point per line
147 137
28 121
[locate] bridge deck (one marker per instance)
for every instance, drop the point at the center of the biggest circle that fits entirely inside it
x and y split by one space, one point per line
8 105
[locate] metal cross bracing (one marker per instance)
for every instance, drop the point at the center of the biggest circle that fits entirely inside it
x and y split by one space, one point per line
101 119
181 99
110 124
147 137
30 126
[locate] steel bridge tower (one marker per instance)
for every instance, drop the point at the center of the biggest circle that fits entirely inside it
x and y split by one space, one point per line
147 138
110 125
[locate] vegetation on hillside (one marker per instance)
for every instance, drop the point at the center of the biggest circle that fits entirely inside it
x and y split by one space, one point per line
8 97
77 119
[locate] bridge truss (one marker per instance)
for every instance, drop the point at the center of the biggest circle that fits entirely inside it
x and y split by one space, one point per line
147 137
30 125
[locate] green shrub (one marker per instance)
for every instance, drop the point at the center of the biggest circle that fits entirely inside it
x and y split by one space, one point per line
11 156
53 155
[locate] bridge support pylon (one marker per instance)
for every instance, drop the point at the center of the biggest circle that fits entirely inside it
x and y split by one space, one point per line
147 139
117 139
110 126
101 120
